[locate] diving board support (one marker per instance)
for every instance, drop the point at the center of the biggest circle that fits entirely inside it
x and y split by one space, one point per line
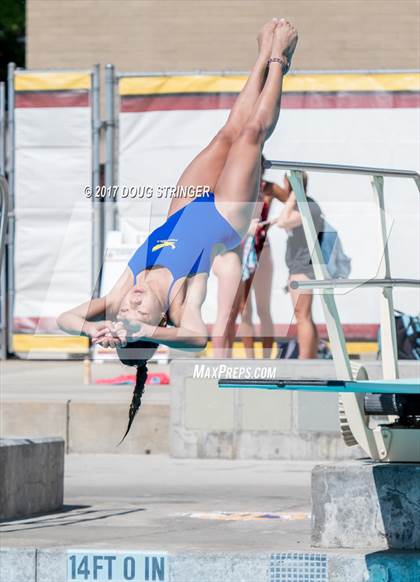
352 402
389 349
383 442
335 329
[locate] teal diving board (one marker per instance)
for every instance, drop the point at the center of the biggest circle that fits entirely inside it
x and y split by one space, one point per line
400 386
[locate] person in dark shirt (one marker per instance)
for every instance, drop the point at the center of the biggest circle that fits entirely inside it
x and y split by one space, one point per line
298 260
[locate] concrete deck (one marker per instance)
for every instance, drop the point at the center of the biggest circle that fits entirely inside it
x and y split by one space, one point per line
139 502
167 511
56 381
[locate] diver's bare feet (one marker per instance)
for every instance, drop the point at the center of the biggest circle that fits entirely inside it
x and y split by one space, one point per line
265 39
284 40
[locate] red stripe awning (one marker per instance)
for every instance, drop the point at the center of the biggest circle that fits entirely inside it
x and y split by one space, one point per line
203 101
51 99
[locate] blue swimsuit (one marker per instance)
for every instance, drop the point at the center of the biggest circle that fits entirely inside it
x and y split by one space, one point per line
187 242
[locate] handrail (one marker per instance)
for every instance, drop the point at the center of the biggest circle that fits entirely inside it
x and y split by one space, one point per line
331 168
326 284
348 283
4 210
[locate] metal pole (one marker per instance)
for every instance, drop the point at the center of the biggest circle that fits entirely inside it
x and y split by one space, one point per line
352 402
97 227
4 210
4 216
389 347
335 329
2 129
10 273
342 169
110 208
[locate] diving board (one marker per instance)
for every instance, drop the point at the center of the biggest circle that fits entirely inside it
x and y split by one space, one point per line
399 386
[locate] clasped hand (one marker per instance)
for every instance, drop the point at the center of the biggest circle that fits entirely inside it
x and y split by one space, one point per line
113 334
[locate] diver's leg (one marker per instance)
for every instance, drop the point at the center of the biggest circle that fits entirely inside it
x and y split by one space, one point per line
238 185
205 168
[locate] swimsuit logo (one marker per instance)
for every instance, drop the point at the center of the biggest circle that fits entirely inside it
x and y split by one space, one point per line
164 243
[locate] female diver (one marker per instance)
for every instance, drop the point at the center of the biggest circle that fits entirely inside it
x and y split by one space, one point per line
166 279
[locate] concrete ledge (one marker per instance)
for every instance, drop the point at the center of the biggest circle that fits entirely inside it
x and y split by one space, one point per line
36 418
32 476
97 427
52 566
207 422
17 565
366 505
90 427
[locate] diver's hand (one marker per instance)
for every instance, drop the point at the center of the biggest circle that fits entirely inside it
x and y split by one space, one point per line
119 334
131 333
145 332
94 329
112 336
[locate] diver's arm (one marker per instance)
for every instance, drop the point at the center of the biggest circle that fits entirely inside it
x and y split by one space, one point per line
77 321
191 335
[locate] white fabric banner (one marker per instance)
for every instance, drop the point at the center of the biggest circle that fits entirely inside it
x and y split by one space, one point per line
53 251
156 146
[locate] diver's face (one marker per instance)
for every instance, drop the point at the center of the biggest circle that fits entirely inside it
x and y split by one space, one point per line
140 305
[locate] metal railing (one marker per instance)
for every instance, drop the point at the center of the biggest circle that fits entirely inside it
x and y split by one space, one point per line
343 169
326 285
4 214
350 283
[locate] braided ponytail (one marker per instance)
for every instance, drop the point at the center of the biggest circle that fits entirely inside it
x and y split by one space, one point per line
136 354
141 377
